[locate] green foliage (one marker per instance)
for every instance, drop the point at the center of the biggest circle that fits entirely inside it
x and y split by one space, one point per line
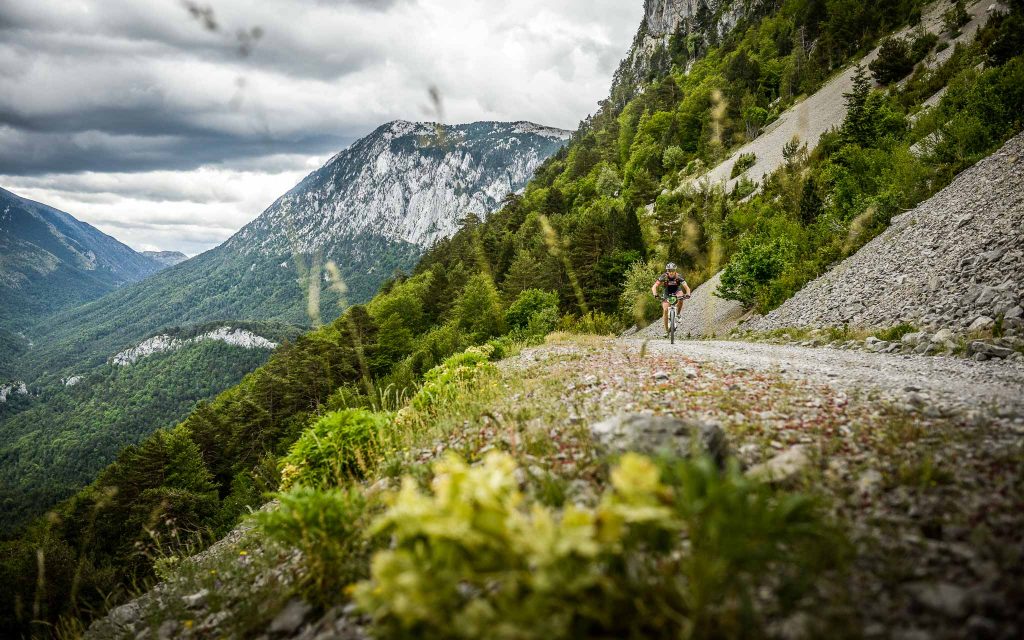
894 60
530 303
444 383
743 162
674 158
56 442
894 333
478 310
637 300
338 447
328 527
924 41
755 264
1008 37
858 127
473 559
593 322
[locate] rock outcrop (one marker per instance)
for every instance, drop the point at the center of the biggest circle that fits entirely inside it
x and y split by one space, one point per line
955 262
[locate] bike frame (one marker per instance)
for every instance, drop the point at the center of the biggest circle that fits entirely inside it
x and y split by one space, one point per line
672 301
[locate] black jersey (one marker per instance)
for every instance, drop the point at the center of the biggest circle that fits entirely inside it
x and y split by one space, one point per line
671 284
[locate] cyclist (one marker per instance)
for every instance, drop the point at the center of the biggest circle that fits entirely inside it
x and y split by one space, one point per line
672 280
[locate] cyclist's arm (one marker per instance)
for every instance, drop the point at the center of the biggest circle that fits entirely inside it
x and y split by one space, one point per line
654 287
687 287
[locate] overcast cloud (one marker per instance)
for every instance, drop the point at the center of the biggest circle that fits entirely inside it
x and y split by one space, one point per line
170 128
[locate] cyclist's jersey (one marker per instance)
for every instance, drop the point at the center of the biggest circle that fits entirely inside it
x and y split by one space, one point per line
671 284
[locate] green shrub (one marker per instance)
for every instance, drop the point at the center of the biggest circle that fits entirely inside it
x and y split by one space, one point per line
924 42
328 527
472 559
894 60
757 262
529 303
892 334
636 301
592 322
743 162
674 158
338 447
443 384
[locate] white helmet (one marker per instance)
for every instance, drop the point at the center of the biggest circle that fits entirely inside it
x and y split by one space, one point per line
670 266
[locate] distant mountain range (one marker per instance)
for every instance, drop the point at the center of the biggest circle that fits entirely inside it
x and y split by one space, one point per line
166 258
372 209
106 374
50 261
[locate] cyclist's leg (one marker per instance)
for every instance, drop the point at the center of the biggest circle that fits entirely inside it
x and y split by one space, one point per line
664 313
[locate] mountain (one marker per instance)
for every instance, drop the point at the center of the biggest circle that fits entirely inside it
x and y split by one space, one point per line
50 261
166 258
372 209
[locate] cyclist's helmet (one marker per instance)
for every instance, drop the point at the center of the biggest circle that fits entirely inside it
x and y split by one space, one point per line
670 266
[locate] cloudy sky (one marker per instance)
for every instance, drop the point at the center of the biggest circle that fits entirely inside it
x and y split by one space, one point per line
170 124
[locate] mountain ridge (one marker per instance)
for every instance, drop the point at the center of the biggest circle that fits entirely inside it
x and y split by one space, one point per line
50 261
261 272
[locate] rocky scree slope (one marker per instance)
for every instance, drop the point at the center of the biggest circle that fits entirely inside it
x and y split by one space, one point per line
955 262
809 119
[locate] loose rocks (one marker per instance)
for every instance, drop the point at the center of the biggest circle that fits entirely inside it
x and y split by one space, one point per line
645 433
924 269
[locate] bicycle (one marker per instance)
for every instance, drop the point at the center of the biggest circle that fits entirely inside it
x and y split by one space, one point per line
673 299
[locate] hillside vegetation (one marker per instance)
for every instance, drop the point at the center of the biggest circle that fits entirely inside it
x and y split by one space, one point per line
55 442
576 251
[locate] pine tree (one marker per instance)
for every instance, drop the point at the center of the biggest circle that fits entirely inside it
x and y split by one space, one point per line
810 202
478 310
857 127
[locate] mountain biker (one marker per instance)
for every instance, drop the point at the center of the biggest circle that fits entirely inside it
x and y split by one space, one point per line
672 280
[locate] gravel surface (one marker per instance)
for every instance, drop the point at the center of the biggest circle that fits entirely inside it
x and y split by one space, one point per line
992 388
955 261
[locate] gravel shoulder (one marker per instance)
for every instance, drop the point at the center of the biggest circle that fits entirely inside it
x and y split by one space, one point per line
991 389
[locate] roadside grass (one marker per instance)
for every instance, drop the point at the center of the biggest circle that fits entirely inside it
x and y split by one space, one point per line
535 409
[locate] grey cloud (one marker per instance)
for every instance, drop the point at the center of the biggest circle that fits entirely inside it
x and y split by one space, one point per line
112 87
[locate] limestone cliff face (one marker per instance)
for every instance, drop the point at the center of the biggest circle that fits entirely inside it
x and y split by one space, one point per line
701 22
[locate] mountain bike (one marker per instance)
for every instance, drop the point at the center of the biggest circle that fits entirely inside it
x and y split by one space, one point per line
673 299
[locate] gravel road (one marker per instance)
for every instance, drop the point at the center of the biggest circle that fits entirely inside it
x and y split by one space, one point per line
989 389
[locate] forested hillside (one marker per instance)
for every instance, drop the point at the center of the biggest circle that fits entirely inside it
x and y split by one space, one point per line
56 441
50 261
577 250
